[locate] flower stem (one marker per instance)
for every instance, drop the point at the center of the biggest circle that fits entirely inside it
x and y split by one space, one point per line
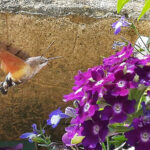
73 148
107 143
49 148
103 146
140 100
76 147
138 50
36 146
136 31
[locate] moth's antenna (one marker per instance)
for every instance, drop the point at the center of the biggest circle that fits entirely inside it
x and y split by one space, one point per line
48 47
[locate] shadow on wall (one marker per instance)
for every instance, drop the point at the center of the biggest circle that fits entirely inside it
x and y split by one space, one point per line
15 145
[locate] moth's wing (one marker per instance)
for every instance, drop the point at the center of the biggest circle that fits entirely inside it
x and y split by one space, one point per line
10 63
17 52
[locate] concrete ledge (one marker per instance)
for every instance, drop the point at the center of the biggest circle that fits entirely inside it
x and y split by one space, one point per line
57 8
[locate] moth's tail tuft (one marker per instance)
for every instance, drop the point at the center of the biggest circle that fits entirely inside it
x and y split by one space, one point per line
2 89
5 85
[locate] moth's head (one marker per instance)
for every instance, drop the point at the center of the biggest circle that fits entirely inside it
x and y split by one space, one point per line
37 61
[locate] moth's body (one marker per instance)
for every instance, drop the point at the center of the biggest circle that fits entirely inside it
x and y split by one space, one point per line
18 70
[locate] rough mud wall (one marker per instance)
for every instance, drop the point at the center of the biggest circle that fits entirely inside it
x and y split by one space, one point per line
82 41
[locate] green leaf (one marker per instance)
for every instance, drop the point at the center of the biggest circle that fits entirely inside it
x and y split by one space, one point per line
38 140
119 138
118 127
136 93
120 4
77 139
98 102
145 9
100 109
103 146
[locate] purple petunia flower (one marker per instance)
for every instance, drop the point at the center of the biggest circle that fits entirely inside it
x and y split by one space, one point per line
139 137
55 117
98 82
94 130
121 23
97 76
122 83
31 135
86 108
84 112
17 147
83 84
120 107
119 57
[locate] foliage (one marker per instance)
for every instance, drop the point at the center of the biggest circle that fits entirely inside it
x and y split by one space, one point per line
121 3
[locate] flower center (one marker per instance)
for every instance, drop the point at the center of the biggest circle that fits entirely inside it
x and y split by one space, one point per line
121 83
86 107
96 129
55 119
117 108
99 82
145 137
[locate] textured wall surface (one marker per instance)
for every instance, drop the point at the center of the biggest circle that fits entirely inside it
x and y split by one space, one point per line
83 41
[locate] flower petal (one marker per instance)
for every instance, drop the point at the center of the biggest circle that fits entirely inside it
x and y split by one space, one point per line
27 135
128 106
118 118
117 30
132 137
